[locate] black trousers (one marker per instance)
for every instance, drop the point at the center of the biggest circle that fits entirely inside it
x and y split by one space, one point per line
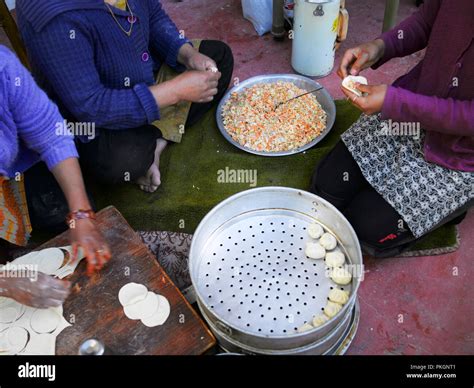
118 154
380 228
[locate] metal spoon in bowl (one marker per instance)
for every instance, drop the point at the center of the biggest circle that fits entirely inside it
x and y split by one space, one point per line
294 98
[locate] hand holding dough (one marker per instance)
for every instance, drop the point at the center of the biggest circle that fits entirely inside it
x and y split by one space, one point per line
328 241
335 259
349 82
314 250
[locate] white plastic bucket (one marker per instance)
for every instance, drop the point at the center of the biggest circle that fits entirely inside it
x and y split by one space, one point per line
315 31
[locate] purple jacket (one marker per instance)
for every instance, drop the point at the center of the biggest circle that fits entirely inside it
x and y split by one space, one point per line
28 121
438 92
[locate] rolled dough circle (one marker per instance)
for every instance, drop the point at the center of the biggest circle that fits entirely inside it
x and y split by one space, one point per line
142 309
17 338
10 310
161 314
3 342
30 258
45 321
132 293
50 260
8 315
41 345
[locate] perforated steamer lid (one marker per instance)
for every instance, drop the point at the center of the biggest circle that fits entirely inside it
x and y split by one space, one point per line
256 277
248 243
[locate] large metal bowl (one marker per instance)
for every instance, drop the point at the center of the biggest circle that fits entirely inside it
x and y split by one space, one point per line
323 97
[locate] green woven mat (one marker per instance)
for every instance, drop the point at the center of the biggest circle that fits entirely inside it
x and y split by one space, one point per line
190 185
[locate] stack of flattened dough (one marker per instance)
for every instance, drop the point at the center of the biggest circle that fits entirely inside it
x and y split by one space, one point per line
28 331
31 331
323 246
51 261
140 304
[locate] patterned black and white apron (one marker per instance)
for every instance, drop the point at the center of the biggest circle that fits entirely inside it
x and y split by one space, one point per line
393 163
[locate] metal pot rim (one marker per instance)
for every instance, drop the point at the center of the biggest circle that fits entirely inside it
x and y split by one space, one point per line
295 335
331 111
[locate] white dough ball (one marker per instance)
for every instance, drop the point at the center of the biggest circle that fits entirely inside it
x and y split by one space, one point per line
341 276
338 296
315 231
328 241
331 309
320 320
335 259
314 250
304 328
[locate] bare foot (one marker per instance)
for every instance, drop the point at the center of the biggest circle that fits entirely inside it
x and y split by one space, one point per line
152 180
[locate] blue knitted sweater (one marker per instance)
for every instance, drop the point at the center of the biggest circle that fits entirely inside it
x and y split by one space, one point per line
31 127
90 67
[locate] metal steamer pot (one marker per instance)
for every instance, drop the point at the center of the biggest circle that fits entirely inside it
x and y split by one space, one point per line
254 284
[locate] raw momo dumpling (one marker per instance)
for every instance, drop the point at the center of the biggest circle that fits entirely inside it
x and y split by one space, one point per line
304 328
350 81
335 259
314 250
315 231
331 309
338 296
328 241
341 276
320 320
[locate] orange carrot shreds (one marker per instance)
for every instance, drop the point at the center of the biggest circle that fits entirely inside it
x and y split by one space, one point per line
251 119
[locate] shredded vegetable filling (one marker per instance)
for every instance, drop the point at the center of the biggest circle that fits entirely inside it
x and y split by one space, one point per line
251 119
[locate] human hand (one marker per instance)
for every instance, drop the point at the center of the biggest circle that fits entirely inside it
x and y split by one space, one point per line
41 292
201 62
372 100
197 86
361 57
85 235
194 60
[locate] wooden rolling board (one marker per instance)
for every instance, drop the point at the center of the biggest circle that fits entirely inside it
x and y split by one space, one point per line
96 312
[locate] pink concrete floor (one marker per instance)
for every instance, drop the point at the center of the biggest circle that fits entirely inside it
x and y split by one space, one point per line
408 305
